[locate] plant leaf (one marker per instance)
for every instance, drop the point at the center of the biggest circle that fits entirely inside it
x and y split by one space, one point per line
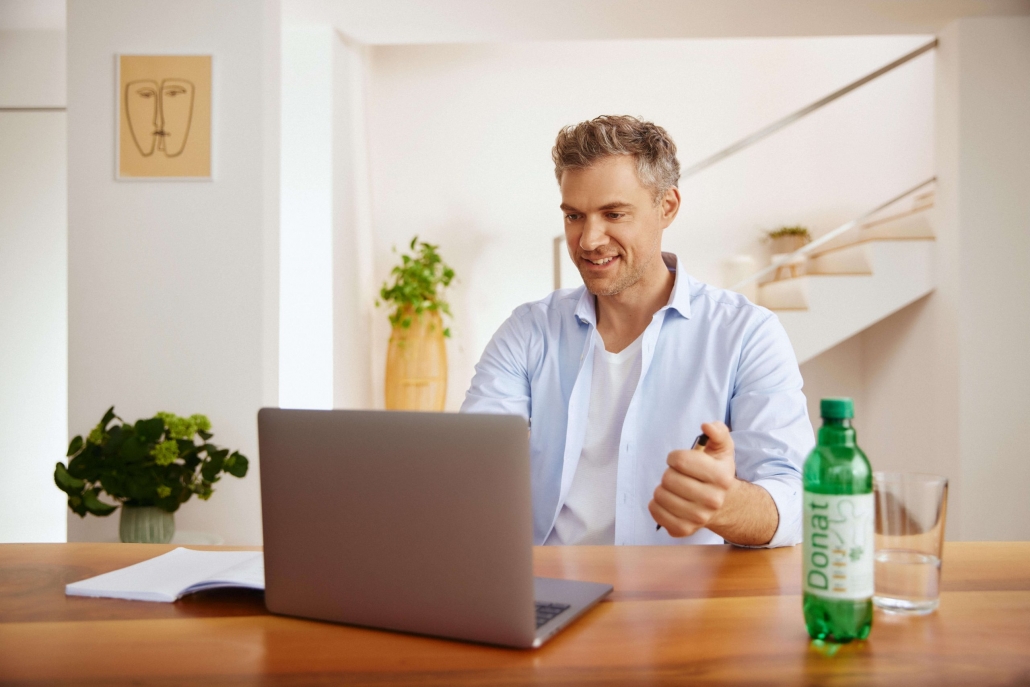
94 505
133 450
65 482
108 416
76 506
149 431
75 446
238 467
213 466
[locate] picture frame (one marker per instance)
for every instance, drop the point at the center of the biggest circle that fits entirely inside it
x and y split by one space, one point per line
163 129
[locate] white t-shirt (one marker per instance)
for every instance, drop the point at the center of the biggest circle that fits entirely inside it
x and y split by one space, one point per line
588 514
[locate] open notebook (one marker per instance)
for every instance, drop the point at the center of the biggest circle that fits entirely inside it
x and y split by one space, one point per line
175 574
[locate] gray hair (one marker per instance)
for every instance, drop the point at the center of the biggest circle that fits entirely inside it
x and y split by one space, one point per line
583 144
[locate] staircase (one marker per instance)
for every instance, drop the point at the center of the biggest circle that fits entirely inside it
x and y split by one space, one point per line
856 278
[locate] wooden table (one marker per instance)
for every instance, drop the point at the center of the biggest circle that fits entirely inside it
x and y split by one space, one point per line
700 615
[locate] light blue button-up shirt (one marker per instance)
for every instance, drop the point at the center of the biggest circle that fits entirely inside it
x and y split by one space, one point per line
708 355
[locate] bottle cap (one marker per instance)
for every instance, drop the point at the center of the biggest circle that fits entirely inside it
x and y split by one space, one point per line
837 408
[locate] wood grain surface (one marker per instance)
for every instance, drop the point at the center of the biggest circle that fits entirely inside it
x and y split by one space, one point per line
700 615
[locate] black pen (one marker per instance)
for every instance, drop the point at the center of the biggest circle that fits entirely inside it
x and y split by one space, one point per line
700 442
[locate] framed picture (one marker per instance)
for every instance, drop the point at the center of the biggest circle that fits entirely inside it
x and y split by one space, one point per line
164 117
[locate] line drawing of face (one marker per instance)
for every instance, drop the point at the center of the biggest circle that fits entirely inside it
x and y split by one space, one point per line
159 114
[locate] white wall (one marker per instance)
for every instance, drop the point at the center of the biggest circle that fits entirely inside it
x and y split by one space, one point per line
32 15
460 140
353 290
33 286
32 69
173 286
990 64
900 374
839 371
306 277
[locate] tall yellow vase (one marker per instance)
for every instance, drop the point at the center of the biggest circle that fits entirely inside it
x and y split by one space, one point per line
416 365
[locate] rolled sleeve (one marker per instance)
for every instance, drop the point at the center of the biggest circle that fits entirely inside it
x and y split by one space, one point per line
786 494
770 426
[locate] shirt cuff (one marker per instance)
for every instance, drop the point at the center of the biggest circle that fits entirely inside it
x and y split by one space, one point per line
787 497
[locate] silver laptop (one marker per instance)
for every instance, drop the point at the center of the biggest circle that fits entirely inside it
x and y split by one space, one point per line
417 522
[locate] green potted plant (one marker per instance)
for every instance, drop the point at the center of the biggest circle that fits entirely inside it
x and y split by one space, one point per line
788 239
416 359
150 467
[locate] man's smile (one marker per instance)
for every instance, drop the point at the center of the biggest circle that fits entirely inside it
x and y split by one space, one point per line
600 263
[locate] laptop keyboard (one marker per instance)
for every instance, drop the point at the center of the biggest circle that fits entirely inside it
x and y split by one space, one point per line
547 611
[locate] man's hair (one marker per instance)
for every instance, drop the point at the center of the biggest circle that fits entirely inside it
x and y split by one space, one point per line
583 144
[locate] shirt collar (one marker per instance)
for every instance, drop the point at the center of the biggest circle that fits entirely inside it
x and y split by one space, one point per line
679 299
682 287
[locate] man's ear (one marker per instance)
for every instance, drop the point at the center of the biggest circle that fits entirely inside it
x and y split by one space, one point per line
669 206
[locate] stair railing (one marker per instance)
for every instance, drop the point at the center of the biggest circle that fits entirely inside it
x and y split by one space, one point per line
827 237
767 131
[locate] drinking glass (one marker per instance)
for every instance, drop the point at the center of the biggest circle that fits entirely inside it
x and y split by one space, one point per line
910 514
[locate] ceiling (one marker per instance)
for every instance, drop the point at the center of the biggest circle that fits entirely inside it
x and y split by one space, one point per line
389 22
386 22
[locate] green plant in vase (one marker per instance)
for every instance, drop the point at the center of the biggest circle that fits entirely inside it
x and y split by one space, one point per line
417 286
150 467
416 356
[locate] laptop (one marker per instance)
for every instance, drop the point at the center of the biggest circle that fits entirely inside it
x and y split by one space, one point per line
415 522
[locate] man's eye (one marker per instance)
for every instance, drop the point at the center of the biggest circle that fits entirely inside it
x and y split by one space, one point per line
571 217
616 215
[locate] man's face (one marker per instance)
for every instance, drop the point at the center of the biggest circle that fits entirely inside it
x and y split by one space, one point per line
613 229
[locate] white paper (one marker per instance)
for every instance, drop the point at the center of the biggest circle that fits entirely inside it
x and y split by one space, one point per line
175 574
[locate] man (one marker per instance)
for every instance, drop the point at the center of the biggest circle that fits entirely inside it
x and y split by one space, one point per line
618 376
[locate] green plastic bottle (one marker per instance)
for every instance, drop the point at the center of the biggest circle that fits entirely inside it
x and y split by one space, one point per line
838 525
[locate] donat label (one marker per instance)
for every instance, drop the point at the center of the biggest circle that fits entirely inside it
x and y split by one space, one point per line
838 546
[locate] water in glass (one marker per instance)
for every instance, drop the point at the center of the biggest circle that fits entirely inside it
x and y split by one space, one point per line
907 581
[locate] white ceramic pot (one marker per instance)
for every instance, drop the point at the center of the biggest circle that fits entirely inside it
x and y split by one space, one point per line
146 525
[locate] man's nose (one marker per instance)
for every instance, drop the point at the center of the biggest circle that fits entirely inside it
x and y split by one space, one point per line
593 235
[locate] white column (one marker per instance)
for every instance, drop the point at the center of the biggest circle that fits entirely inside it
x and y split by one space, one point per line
306 278
354 292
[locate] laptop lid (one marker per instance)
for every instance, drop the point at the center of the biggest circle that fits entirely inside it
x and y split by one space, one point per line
419 522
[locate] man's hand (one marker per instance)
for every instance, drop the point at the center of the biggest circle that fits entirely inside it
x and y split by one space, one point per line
700 489
695 485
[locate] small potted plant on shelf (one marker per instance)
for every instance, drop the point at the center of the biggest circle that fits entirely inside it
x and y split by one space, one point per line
785 241
788 239
416 358
151 467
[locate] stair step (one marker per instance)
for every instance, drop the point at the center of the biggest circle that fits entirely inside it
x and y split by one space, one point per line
854 259
914 226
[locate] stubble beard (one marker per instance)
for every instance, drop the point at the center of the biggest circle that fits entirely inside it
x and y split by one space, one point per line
621 283
625 281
